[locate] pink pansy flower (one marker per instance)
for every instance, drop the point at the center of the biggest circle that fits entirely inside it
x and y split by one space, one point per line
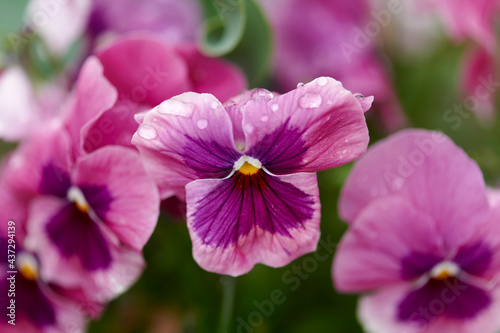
422 238
155 72
37 307
247 168
88 215
324 37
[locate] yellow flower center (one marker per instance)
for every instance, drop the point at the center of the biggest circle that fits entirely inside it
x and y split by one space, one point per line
248 169
27 265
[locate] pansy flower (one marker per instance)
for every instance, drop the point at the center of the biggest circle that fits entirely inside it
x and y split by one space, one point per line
247 168
423 238
30 304
87 215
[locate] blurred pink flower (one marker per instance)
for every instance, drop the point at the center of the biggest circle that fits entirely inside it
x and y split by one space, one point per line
423 238
24 106
87 215
146 71
325 37
247 168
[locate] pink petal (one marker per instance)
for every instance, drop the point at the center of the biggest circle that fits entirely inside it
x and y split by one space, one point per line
134 208
186 138
431 172
92 96
371 253
325 120
212 75
155 71
258 245
50 146
479 83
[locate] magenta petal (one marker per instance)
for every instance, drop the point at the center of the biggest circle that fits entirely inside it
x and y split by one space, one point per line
315 127
130 204
237 222
92 96
186 138
376 249
431 172
212 75
155 71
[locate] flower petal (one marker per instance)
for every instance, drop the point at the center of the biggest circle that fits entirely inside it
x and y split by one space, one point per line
377 248
431 172
99 285
378 313
247 219
315 127
212 75
41 164
186 138
92 96
126 199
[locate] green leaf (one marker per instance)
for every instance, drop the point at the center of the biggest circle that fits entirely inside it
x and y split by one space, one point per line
223 27
253 53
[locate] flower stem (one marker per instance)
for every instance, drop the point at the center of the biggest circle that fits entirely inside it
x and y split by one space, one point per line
229 286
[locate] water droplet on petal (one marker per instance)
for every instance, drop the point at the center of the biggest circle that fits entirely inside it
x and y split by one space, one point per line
176 108
275 107
202 123
310 101
147 132
264 118
214 105
300 85
261 95
249 128
346 140
322 81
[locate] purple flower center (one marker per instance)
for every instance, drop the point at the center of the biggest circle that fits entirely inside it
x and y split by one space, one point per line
446 292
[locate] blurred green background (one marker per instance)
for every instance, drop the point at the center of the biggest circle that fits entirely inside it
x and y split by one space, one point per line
175 295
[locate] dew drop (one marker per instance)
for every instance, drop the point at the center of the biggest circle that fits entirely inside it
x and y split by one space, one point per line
322 81
214 105
264 118
249 128
310 101
202 123
275 107
147 132
176 108
300 85
261 95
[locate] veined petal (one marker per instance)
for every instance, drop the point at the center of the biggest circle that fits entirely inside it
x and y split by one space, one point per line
379 249
431 172
315 127
185 138
126 199
237 222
